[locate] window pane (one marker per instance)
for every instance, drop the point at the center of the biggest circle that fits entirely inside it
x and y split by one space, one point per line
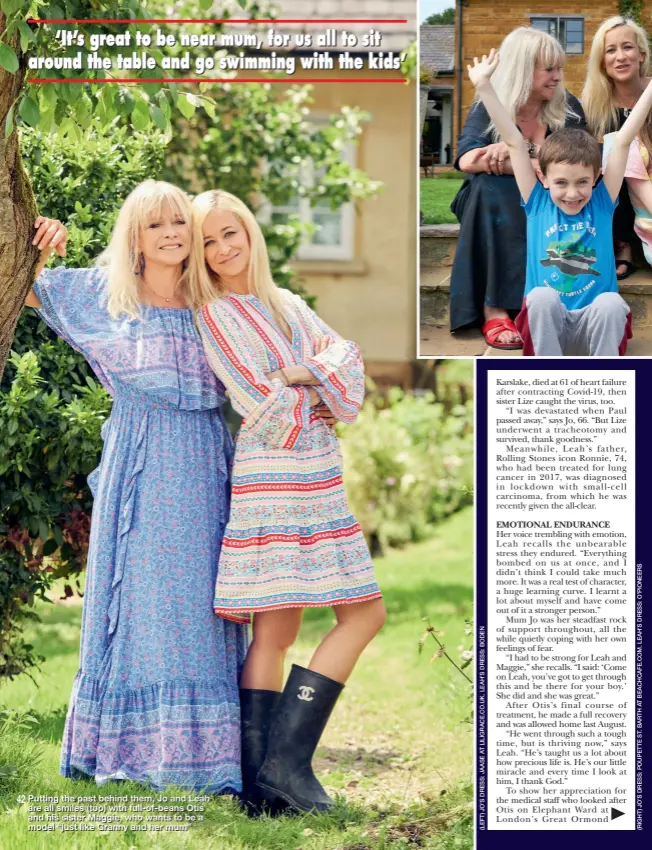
573 35
328 229
574 27
541 23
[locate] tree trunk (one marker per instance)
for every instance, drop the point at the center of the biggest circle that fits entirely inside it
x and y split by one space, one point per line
17 211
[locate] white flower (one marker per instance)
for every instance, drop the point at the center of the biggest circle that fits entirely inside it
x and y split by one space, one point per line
452 461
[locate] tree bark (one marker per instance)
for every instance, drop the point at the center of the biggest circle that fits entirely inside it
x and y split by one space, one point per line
17 211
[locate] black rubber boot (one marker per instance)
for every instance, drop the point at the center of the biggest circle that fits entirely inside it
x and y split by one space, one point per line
256 710
300 718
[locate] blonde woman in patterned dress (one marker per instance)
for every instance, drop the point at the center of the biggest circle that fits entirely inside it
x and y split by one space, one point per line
291 542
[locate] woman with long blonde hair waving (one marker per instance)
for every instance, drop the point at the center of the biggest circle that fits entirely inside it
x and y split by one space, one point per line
618 70
291 541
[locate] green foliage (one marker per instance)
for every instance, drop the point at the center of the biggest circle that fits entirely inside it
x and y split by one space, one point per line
70 109
20 752
259 145
51 408
436 196
49 445
465 656
632 9
84 183
426 75
408 464
409 63
445 17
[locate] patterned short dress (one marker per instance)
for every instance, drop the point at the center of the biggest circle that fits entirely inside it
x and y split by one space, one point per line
156 696
291 540
638 173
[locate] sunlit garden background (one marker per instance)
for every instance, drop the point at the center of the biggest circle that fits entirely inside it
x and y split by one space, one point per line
399 749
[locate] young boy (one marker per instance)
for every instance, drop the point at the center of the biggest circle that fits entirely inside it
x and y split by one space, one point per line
571 303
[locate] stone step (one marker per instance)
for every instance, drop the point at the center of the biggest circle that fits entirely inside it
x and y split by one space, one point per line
438 341
437 244
437 250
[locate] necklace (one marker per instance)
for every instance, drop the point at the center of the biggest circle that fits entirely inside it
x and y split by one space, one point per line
522 123
154 292
633 101
532 148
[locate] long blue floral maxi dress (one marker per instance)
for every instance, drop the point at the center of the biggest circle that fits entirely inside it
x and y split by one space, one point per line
156 695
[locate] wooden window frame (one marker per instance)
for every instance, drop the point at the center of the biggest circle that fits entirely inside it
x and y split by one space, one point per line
558 19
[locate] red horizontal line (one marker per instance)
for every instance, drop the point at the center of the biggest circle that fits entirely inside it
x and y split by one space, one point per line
278 537
287 81
218 21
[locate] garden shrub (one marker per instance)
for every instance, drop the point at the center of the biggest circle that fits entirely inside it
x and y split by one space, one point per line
408 464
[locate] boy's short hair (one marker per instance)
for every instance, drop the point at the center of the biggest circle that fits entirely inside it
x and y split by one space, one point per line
571 145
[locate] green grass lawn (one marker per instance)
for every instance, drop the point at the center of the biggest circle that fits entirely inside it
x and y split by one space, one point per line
397 752
435 199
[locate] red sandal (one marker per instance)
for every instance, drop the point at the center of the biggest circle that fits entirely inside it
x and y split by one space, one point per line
492 329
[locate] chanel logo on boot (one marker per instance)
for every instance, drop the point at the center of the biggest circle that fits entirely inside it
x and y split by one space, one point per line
305 693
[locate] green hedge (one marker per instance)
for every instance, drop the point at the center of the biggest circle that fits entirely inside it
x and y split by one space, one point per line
408 464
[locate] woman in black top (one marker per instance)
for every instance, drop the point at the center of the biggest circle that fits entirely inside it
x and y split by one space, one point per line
488 275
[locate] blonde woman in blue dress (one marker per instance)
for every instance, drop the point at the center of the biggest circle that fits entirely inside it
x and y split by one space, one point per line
156 696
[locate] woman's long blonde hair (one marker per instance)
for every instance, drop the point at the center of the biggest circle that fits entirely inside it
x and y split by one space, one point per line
512 80
260 278
598 97
122 256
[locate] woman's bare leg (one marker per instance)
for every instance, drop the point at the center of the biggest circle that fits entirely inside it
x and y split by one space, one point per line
357 624
274 632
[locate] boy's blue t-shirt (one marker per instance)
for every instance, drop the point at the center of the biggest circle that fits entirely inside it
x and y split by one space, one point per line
572 254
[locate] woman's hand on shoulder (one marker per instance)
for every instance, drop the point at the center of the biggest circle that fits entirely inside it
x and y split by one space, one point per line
51 235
